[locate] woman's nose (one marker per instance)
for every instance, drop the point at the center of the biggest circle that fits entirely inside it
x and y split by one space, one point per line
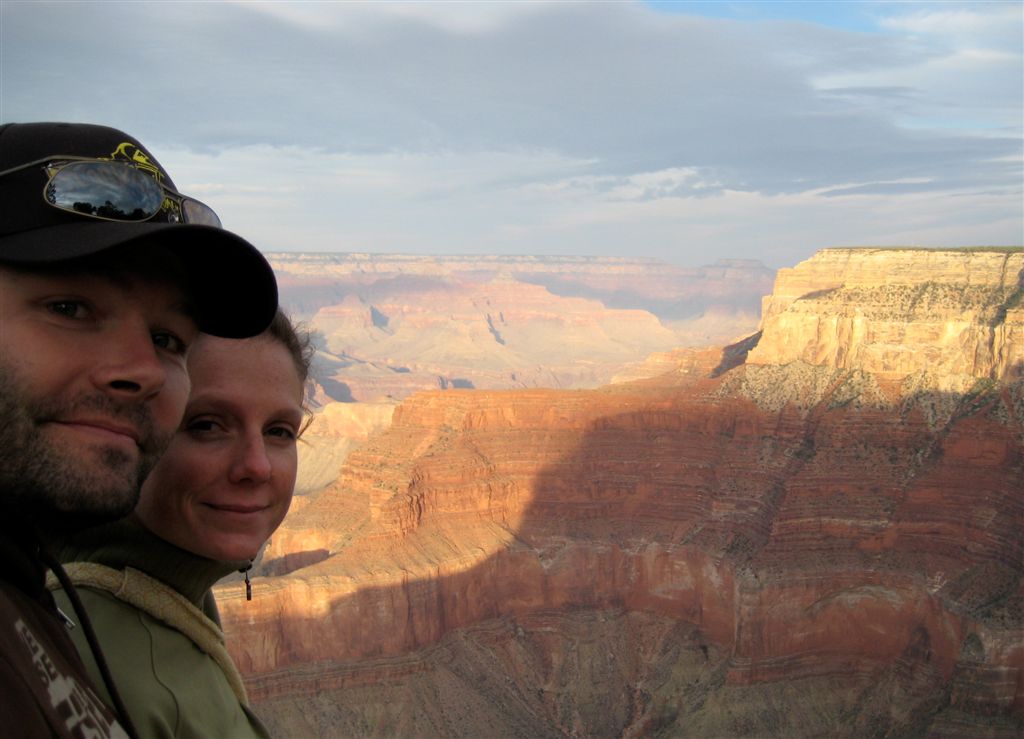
251 463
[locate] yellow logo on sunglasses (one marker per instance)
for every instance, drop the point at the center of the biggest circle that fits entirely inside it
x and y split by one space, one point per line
130 152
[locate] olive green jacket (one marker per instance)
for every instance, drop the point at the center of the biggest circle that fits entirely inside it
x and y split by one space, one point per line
155 618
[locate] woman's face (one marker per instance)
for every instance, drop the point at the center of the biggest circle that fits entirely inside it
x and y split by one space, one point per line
225 482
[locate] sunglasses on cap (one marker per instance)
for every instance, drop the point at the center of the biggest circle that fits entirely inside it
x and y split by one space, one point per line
112 190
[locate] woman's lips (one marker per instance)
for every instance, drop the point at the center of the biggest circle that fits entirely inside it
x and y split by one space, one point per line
236 508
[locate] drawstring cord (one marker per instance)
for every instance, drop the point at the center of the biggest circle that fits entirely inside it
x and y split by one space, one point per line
248 583
90 636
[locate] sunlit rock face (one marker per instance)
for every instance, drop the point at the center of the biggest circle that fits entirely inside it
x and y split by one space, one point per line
730 549
956 315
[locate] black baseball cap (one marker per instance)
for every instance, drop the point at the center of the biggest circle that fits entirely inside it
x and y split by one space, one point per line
231 283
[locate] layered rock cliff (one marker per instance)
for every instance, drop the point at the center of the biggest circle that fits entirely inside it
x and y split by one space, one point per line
955 314
804 543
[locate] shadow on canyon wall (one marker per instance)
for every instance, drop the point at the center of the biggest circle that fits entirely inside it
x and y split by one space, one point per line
691 565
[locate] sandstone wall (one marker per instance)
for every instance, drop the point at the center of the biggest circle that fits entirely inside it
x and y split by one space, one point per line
956 314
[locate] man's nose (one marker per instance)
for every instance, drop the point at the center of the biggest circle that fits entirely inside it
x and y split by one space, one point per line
131 366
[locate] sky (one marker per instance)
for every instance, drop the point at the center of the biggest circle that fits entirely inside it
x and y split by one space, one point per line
681 131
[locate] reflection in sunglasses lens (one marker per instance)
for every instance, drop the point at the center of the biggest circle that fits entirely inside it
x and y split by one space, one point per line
105 190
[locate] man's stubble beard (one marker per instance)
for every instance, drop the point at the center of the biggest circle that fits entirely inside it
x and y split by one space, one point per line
40 481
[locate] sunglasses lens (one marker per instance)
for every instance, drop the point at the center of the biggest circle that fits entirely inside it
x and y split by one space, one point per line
196 212
105 190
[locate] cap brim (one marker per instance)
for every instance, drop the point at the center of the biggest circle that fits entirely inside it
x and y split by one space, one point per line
231 282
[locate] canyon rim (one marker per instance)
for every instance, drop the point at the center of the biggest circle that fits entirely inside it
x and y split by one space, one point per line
816 530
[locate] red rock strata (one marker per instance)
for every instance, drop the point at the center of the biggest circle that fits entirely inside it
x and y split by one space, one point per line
781 550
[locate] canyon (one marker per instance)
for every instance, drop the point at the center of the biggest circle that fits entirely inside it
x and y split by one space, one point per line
815 529
389 325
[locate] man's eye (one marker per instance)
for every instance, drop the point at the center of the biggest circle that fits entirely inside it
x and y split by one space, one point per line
68 308
170 342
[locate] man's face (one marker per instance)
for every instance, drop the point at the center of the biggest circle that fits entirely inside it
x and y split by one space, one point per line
93 384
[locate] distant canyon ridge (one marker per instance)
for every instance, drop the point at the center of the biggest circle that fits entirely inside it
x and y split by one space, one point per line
813 529
389 325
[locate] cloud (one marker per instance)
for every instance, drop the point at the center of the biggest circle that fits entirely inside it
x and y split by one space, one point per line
991 24
532 126
969 68
352 17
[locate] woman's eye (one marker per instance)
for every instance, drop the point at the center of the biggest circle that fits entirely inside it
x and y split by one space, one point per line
281 432
170 342
200 425
69 308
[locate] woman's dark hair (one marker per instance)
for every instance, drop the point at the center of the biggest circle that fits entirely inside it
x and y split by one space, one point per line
296 340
